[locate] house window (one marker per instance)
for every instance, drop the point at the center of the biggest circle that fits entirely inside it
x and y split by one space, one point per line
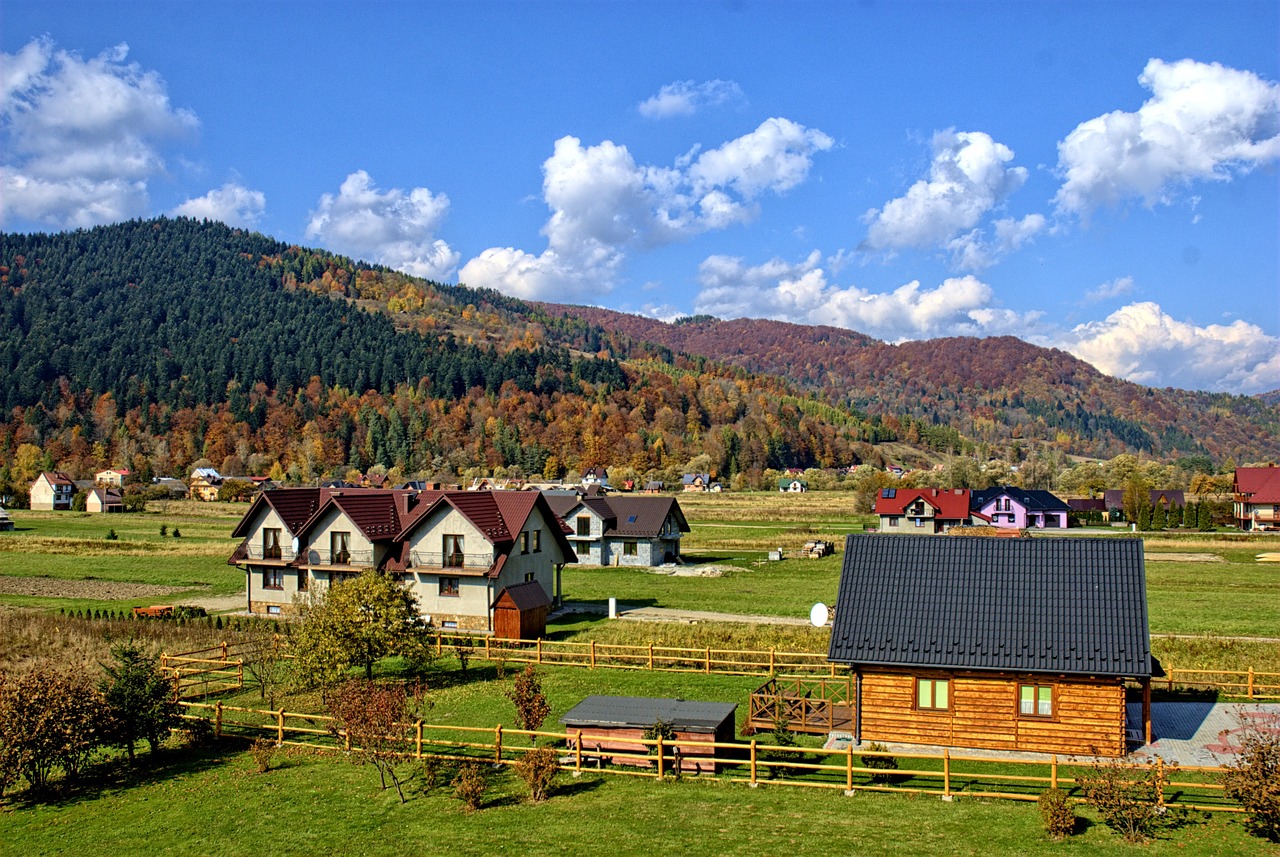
304 577
271 543
933 694
454 555
449 586
273 578
340 548
919 522
524 542
537 541
449 626
273 610
630 549
1035 700
584 525
893 522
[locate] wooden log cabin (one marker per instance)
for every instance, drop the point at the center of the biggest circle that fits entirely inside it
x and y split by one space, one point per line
1004 644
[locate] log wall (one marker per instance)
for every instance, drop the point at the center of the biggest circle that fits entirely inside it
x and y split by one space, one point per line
1088 719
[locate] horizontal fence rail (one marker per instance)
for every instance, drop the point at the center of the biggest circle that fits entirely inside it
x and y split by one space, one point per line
946 775
1247 683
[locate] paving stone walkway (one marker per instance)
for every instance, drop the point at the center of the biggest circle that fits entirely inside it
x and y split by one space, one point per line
1200 733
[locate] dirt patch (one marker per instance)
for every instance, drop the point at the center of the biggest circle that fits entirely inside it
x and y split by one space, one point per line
97 590
1161 556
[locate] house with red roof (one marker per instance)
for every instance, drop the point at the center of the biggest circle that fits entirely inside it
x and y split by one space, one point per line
1255 498
52 491
457 551
925 511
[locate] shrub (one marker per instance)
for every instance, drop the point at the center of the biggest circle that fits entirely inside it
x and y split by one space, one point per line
880 763
177 533
538 768
432 768
262 749
463 649
1057 813
197 732
164 530
50 720
111 535
469 786
530 702
1253 781
1129 798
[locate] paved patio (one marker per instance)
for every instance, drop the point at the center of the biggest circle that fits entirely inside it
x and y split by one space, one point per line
1200 733
1189 733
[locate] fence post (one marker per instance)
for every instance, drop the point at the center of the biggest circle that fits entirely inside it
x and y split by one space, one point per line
439 643
946 774
1053 771
486 649
280 728
577 754
217 720
539 650
707 663
651 657
239 674
593 654
753 763
1251 682
1171 672
497 744
346 739
417 740
224 650
848 767
660 752
1159 763
773 661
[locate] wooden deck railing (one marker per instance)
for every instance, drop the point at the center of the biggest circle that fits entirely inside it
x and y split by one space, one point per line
752 762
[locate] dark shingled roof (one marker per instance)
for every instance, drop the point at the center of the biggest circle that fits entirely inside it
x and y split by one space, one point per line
641 712
525 596
1029 499
634 516
1044 605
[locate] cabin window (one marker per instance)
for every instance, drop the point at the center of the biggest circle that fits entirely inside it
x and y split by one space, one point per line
449 586
630 549
933 694
454 555
273 578
1035 700
537 541
340 548
524 542
584 525
271 543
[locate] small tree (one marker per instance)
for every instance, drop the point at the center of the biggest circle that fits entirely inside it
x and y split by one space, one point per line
266 663
357 622
371 718
1057 813
531 704
469 786
1253 780
142 702
1129 798
538 768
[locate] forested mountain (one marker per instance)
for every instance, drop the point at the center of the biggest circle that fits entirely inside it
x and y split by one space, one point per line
991 390
153 344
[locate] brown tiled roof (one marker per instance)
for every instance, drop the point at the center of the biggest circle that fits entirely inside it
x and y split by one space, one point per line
295 506
57 477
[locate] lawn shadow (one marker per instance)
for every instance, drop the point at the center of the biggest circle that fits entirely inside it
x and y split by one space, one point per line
116 774
576 787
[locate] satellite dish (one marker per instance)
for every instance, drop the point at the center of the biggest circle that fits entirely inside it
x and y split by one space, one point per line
294 545
818 615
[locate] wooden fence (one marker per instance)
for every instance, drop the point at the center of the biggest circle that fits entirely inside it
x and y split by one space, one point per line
201 672
1247 683
946 775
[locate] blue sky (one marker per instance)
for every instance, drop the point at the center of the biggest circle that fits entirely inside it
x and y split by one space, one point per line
1097 177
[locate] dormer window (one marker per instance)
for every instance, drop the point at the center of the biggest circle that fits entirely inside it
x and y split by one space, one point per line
340 548
454 554
584 525
271 543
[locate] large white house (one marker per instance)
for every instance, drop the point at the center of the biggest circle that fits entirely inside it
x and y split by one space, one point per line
458 551
52 491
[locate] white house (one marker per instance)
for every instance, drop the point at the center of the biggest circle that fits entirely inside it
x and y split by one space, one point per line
52 491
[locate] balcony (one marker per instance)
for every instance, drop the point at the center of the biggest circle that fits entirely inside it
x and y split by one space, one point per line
280 554
439 559
362 559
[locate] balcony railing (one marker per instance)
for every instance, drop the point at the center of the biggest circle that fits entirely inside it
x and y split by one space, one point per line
348 557
439 559
283 553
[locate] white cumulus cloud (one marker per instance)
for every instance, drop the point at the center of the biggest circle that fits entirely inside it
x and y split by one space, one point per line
800 292
1142 343
81 137
973 252
603 204
232 204
1204 121
394 227
685 98
968 177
